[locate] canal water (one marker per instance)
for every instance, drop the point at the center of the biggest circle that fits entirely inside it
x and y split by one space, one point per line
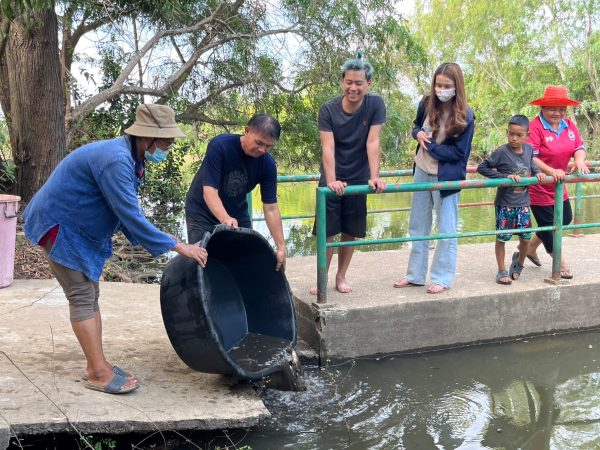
531 394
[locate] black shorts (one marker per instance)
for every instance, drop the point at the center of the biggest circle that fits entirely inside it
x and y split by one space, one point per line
544 216
346 214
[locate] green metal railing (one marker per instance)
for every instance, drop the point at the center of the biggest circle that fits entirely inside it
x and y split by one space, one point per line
578 212
557 227
315 177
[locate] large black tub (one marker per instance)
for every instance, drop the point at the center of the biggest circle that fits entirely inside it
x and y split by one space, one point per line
236 315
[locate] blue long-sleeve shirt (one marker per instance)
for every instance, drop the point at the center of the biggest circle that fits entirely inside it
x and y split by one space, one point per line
453 154
91 195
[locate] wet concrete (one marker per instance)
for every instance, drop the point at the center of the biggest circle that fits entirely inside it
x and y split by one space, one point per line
41 365
377 318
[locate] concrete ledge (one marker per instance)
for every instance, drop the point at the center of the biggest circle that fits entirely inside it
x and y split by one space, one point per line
4 435
41 364
377 318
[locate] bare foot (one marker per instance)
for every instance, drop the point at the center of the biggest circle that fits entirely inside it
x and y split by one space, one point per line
566 272
103 377
405 283
115 369
342 286
313 290
436 289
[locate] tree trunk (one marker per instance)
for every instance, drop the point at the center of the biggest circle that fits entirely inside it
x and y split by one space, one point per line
37 116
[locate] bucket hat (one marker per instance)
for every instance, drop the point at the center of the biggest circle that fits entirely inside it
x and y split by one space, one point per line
155 121
555 96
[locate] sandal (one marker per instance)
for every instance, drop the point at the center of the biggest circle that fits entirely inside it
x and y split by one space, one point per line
115 386
399 284
434 292
566 274
503 274
534 260
515 267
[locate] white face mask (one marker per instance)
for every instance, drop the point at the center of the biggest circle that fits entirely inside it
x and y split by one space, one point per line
445 95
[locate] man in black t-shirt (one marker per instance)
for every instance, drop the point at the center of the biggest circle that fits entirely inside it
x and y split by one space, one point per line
232 167
350 126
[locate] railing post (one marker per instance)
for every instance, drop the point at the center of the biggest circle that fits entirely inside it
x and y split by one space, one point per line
558 228
321 221
249 201
578 207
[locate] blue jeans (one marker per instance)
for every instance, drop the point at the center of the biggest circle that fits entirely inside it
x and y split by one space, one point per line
443 266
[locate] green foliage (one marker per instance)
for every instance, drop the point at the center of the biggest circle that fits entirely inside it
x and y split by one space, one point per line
7 166
111 119
510 51
98 443
163 192
11 9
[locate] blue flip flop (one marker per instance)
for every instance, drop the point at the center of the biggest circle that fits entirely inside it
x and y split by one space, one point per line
116 369
503 274
115 386
515 267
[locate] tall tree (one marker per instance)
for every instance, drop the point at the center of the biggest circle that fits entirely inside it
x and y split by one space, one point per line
31 91
511 51
215 61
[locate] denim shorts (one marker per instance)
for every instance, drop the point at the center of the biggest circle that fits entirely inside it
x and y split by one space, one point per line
508 217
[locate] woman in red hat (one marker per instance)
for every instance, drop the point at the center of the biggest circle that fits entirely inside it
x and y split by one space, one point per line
555 140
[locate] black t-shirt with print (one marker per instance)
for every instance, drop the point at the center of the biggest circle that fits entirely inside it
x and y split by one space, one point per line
233 173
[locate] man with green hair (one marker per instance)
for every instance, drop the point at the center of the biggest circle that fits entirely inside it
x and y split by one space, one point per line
349 126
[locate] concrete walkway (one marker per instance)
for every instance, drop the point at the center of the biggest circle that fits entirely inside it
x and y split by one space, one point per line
377 318
41 366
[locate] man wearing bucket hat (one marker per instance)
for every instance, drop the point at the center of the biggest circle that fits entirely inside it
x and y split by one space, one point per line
90 195
555 140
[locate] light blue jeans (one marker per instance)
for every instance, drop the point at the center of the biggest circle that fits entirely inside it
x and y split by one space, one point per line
443 266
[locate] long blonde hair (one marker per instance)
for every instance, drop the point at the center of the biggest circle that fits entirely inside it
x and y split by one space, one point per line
457 122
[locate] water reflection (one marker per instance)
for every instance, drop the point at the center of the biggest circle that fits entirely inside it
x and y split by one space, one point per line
537 394
299 198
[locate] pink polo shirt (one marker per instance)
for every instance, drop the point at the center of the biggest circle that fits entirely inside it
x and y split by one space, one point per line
555 151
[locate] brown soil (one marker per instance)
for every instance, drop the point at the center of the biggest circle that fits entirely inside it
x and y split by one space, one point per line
128 264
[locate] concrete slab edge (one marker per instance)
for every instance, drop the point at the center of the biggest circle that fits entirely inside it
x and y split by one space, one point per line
439 324
4 435
121 427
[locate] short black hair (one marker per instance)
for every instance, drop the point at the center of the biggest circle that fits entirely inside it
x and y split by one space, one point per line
358 64
265 124
519 120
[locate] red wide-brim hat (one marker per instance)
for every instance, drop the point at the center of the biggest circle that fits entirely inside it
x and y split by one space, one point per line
555 96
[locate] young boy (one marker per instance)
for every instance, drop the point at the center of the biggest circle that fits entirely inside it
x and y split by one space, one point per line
513 160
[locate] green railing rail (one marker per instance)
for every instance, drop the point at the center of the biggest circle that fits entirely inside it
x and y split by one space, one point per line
579 197
557 227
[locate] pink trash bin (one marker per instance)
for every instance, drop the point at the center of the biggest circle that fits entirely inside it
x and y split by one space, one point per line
9 205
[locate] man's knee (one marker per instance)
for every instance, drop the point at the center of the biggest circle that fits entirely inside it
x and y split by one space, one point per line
83 301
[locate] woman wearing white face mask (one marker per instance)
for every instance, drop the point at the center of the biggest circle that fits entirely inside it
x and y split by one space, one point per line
444 129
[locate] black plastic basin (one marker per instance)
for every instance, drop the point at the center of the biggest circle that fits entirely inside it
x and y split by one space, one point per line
236 315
